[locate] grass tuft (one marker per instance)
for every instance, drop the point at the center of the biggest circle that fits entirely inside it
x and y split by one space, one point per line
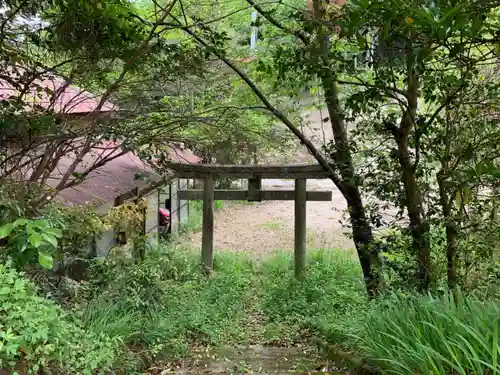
428 335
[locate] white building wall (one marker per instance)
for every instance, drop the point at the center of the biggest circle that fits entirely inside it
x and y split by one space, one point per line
155 200
105 243
183 204
174 216
151 219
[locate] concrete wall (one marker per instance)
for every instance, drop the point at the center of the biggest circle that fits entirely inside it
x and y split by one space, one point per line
155 200
151 220
183 205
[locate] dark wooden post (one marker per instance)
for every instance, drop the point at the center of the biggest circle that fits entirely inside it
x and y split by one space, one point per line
255 189
207 241
300 226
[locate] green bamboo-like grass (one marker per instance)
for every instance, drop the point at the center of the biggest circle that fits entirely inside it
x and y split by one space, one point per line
429 335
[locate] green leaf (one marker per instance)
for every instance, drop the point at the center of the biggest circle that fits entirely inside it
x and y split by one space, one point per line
30 227
35 239
5 230
45 260
50 239
55 232
22 246
361 42
20 222
467 195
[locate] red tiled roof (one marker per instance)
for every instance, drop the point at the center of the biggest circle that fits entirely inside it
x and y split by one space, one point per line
71 100
114 178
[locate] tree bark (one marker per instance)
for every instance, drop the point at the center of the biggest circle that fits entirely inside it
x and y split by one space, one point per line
363 240
419 227
451 255
361 229
451 233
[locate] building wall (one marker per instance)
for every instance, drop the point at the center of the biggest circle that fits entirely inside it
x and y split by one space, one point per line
183 212
155 200
151 219
174 216
105 243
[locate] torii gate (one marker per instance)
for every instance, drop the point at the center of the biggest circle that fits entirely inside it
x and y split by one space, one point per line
254 173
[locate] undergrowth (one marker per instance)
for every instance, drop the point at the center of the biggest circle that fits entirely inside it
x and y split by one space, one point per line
195 219
428 335
130 315
321 304
36 333
165 305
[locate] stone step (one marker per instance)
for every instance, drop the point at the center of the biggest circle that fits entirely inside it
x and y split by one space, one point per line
252 360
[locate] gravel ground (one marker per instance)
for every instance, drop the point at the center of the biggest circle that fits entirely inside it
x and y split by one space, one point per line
263 227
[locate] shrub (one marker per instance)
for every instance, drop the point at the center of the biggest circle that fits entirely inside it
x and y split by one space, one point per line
35 332
427 335
164 305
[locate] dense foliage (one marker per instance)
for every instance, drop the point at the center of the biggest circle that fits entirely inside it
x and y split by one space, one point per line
161 307
134 314
426 335
36 333
412 95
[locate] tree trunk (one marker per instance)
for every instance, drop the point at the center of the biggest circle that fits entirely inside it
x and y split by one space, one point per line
451 233
361 229
363 237
419 227
451 255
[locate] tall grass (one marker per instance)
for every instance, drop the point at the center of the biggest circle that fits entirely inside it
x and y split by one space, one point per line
195 219
322 303
441 336
165 305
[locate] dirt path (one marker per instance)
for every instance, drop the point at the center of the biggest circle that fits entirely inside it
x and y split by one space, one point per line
261 228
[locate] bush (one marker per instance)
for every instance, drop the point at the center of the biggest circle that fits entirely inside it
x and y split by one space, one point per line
427 335
37 333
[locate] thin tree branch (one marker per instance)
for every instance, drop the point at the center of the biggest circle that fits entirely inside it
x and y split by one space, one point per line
298 33
276 112
384 88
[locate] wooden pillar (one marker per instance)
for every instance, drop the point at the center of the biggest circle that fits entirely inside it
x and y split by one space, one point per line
300 226
254 189
207 241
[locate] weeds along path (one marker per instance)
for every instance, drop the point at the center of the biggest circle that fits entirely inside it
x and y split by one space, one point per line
263 227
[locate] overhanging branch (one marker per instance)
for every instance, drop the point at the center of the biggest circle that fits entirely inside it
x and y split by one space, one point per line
276 112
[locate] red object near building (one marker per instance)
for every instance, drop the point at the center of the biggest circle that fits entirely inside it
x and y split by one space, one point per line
164 217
